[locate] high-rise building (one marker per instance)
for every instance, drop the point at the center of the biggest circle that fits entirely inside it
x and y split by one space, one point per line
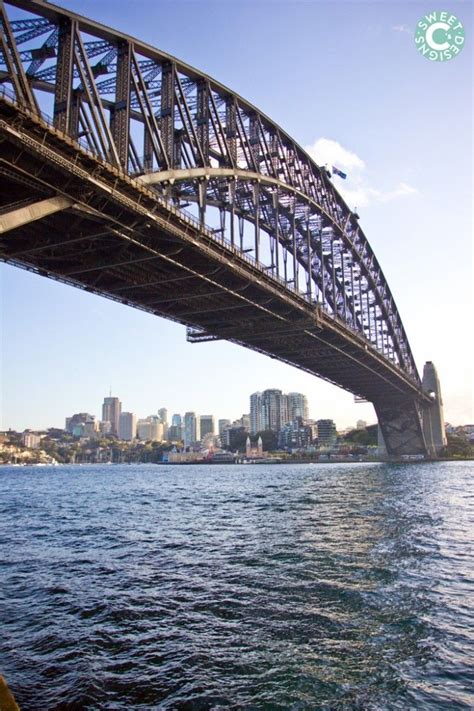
175 433
192 433
127 429
150 429
222 426
256 424
105 427
274 410
245 420
297 406
327 434
163 415
143 430
111 410
177 420
78 419
207 425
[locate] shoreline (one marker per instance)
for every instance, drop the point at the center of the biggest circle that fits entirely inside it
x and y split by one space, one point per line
332 460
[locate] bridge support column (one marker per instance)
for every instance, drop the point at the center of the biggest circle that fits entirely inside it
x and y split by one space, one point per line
401 427
381 448
433 416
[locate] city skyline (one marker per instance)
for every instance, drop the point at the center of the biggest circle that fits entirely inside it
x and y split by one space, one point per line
57 341
126 424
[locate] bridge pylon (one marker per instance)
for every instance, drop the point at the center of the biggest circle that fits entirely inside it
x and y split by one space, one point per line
407 427
433 415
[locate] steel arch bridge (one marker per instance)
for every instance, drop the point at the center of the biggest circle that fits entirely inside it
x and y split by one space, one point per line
130 174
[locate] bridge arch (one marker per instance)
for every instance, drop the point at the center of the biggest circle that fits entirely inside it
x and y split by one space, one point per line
159 124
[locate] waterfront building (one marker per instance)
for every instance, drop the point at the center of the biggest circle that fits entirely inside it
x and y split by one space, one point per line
222 426
192 433
235 438
78 419
254 452
296 435
31 440
111 410
207 425
175 457
327 434
127 426
90 427
150 429
297 406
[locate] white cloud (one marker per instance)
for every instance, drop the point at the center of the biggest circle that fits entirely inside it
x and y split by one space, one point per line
325 150
357 191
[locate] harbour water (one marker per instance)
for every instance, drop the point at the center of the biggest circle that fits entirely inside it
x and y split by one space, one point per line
272 587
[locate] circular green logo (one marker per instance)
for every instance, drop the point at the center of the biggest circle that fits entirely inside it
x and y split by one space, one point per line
439 36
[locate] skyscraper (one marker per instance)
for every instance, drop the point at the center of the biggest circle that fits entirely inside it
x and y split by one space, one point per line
297 406
192 432
207 425
111 410
274 410
163 415
127 426
256 424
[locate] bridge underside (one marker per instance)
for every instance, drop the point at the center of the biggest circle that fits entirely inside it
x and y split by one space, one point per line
70 216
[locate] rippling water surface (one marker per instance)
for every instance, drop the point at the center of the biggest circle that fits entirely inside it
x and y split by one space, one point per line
243 587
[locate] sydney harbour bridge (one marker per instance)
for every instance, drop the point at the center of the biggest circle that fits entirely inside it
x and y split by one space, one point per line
129 174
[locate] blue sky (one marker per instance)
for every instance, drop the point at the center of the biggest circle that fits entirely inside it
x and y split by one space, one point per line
345 80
